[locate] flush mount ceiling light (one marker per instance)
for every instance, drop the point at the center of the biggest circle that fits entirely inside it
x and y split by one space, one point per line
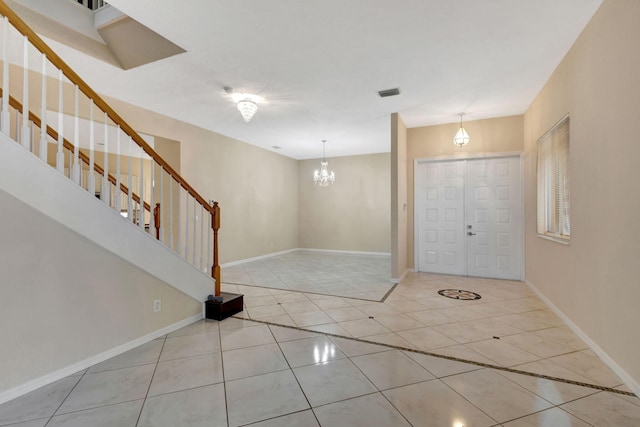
462 137
247 108
323 177
247 103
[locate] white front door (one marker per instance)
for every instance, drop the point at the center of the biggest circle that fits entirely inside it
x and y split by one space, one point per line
469 217
493 202
440 192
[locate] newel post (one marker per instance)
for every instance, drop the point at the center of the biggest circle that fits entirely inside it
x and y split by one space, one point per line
156 220
215 224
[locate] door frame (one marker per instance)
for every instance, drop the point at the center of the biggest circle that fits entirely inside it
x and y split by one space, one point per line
466 156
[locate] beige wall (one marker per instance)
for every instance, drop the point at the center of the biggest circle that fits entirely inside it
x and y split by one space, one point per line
399 205
353 213
257 190
500 135
595 280
67 306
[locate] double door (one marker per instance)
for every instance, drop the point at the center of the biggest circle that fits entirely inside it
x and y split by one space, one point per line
469 217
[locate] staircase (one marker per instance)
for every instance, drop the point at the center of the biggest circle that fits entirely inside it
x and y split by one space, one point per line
95 224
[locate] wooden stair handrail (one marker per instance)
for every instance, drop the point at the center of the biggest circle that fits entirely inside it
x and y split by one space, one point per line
39 44
69 146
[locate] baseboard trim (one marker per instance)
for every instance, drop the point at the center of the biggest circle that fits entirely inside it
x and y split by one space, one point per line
402 276
617 369
334 251
84 364
257 258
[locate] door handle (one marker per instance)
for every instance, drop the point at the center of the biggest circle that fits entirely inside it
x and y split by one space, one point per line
470 233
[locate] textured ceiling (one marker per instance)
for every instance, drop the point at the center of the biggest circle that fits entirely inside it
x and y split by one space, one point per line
318 65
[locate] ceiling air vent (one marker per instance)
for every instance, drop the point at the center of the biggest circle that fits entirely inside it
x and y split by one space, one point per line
389 92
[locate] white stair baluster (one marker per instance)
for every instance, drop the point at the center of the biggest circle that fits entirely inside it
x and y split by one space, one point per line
186 229
60 152
118 193
195 228
171 212
91 186
178 241
5 125
76 140
162 205
26 131
130 184
32 132
201 237
43 113
152 220
105 193
141 212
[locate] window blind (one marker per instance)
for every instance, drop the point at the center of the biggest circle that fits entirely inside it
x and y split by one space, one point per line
554 199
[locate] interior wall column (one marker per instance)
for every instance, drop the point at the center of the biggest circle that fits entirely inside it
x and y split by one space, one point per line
398 198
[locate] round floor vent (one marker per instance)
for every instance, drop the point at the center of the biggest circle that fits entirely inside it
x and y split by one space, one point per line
459 294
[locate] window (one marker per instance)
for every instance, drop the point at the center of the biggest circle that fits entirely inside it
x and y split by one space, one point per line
553 183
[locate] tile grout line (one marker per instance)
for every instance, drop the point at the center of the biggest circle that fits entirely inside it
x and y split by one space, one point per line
68 394
311 292
381 392
555 407
455 359
155 368
476 406
224 379
294 376
273 418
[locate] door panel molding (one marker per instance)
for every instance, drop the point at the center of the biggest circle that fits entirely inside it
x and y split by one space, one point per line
499 239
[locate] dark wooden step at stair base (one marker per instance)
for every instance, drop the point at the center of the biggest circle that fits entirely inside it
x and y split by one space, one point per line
230 305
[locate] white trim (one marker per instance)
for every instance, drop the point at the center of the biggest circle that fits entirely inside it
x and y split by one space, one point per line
93 360
257 258
554 239
331 251
402 276
617 369
468 156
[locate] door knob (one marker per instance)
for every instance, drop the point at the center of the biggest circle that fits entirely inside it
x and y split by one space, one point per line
470 233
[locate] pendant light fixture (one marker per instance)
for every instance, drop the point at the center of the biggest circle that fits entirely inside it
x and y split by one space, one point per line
323 177
462 137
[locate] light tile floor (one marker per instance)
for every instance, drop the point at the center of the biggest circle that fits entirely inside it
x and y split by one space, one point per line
310 370
348 275
508 327
239 372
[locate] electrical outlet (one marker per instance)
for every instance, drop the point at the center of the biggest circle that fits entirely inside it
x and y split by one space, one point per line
157 305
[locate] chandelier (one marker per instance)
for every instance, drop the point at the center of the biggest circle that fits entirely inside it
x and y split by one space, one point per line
246 103
323 177
247 108
462 137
